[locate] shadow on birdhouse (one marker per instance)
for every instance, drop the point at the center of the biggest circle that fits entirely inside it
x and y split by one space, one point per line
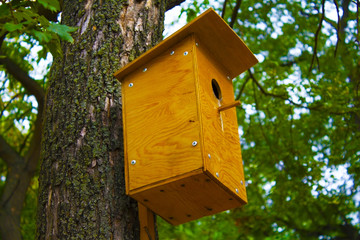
182 150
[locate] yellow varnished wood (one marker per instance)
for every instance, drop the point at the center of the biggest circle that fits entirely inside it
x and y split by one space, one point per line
161 118
189 198
213 31
182 149
147 223
220 129
227 106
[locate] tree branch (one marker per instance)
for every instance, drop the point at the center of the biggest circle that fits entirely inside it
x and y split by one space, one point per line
242 89
28 83
8 104
343 21
12 125
173 3
223 10
338 26
7 153
284 97
33 155
357 21
272 152
234 13
263 90
317 33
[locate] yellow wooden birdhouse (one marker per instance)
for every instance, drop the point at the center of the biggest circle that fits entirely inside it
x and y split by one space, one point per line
182 149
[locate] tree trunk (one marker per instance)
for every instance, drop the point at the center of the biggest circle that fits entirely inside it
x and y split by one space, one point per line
82 189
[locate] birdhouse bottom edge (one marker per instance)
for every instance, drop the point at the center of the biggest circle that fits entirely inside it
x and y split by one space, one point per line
189 198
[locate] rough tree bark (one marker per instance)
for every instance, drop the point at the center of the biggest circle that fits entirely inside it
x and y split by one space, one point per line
81 193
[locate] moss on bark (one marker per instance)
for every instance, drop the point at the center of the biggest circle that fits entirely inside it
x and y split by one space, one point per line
82 188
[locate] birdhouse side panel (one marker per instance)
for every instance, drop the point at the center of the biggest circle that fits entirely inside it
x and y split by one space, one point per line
221 146
161 118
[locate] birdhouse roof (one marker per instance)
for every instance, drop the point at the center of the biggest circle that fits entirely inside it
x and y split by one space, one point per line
213 32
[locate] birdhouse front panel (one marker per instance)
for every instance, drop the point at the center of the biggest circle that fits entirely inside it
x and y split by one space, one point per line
221 143
161 118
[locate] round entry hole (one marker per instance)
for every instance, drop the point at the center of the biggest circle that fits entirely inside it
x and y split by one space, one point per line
216 89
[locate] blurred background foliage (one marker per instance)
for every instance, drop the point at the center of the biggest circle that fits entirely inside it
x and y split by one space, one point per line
299 121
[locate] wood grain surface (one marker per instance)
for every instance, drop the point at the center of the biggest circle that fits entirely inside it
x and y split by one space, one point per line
182 149
219 129
161 119
189 198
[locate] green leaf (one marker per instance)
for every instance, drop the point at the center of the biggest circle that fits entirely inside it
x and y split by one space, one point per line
41 36
54 47
4 10
52 5
63 31
43 21
11 27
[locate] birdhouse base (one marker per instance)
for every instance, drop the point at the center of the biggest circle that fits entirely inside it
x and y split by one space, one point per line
188 197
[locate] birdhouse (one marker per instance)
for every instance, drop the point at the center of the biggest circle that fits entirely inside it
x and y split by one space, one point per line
182 149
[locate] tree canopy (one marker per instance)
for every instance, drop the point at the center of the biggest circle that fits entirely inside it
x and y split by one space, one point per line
299 120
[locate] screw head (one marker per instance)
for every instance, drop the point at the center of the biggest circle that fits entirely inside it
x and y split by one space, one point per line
186 53
194 143
145 69
131 84
242 183
209 155
172 53
237 190
217 174
133 162
197 44
228 77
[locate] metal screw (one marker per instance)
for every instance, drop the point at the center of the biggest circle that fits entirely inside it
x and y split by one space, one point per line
209 155
228 77
145 69
172 53
217 174
237 190
242 183
186 53
194 143
197 44
131 84
133 162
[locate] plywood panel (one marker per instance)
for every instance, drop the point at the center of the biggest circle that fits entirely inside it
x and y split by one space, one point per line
220 129
161 119
215 34
189 198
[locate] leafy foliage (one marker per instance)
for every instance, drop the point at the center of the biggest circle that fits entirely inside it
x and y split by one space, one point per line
28 32
299 122
299 117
